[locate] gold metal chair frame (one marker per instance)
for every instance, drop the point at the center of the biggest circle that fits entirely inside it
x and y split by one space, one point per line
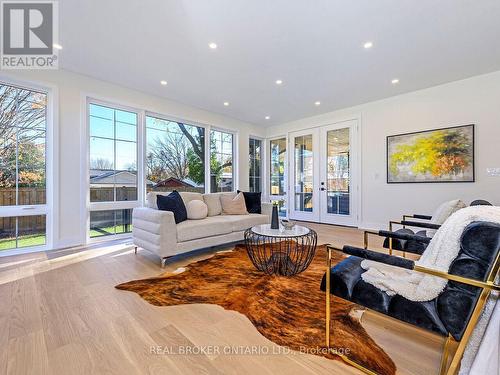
487 287
391 227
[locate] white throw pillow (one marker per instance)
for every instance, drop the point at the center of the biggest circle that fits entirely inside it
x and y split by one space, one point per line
443 212
196 210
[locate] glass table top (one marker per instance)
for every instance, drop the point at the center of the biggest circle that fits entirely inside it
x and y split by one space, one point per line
265 230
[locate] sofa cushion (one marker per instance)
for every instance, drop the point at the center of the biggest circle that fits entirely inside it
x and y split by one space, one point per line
208 227
196 210
252 202
233 206
243 222
174 203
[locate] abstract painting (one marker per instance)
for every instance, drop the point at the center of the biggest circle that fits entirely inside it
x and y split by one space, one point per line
440 155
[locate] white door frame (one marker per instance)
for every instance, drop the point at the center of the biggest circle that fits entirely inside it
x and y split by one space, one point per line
296 214
319 213
324 216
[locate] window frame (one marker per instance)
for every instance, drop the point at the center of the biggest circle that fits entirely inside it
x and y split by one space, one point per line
235 134
111 205
207 129
87 206
51 205
274 197
262 162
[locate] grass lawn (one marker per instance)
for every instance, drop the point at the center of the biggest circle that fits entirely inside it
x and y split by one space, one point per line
23 241
39 239
108 231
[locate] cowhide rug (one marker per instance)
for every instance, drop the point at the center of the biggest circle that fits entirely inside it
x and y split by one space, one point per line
289 311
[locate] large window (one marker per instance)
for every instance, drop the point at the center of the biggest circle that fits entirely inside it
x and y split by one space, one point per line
221 161
23 174
277 188
112 169
278 158
132 152
255 165
175 156
113 154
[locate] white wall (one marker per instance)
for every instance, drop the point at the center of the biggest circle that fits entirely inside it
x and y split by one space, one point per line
471 101
72 89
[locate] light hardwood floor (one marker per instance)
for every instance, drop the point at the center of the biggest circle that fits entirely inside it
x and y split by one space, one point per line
60 314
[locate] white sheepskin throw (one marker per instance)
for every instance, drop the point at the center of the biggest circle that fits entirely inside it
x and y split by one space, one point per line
440 253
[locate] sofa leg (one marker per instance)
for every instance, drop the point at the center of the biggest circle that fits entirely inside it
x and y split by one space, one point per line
135 249
163 262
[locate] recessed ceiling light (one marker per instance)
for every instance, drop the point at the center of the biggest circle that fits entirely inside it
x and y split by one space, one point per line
57 46
267 117
395 81
163 83
212 45
226 104
368 45
317 103
279 81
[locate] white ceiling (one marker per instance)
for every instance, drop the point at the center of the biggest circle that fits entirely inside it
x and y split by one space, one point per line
315 47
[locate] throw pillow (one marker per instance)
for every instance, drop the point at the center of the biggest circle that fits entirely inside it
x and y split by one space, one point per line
173 202
196 210
233 206
443 212
252 202
213 202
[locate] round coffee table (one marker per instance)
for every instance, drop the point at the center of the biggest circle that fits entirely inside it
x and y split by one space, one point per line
279 251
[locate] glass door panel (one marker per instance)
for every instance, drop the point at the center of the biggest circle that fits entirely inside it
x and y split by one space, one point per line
337 180
303 180
337 172
303 151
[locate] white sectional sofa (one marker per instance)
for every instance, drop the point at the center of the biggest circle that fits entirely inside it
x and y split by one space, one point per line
156 231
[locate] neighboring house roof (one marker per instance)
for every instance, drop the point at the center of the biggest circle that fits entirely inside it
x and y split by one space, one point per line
122 178
175 182
191 182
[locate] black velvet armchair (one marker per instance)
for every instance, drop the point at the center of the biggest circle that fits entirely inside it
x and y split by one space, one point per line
453 314
407 240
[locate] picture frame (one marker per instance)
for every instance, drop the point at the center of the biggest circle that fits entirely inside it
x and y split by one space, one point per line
441 155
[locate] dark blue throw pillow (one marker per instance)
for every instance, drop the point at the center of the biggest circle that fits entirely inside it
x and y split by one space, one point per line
173 202
252 201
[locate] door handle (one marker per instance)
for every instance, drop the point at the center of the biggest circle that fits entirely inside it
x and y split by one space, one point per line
322 189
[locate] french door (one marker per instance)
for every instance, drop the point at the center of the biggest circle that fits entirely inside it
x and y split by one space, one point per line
323 175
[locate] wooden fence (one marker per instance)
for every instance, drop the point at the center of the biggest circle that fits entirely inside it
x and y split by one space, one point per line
26 224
